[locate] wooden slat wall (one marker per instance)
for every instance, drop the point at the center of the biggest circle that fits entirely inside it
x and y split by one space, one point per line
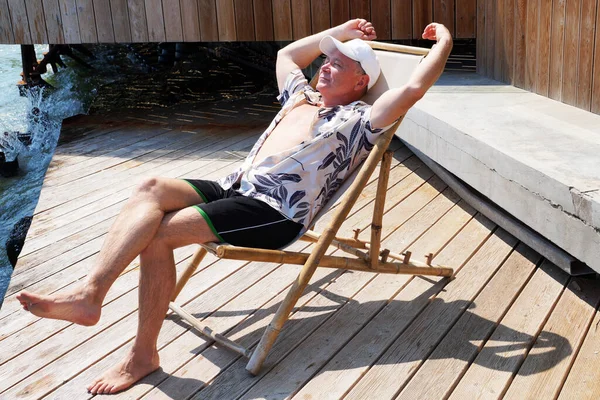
124 21
548 47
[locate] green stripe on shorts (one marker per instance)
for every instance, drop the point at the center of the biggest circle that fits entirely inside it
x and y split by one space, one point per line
197 191
209 222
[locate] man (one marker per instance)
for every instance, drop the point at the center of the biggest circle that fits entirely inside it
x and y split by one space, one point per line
317 138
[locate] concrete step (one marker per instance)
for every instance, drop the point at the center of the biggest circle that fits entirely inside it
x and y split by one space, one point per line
536 158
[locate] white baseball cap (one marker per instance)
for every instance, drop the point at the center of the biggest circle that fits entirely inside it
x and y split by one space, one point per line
357 50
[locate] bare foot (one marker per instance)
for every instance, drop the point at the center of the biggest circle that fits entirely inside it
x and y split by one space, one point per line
72 306
130 370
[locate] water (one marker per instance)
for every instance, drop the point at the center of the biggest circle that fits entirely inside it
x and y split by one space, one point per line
41 114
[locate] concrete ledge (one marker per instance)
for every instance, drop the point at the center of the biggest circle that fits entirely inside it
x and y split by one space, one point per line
536 158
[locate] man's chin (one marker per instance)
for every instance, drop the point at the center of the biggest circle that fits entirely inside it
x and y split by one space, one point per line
321 86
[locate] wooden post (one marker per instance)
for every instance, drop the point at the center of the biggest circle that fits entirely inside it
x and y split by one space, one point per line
189 271
376 224
272 331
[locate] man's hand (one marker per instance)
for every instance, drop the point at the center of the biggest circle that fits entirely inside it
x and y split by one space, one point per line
437 32
301 53
396 102
355 29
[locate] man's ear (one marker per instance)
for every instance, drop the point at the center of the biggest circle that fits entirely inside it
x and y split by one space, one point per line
363 82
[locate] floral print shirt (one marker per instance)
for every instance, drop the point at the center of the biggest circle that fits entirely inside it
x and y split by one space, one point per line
299 181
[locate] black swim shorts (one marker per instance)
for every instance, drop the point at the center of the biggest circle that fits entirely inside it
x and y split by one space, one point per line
243 221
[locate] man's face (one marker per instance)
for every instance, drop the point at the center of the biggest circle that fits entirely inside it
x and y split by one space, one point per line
340 76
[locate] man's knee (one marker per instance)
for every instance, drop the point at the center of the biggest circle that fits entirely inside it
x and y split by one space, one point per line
148 189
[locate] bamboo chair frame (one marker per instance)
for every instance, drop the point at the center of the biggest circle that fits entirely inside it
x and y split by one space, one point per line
367 256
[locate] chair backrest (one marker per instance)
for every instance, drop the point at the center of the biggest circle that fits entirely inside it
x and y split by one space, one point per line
397 65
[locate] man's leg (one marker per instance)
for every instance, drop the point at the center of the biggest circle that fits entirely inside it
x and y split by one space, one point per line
157 283
131 233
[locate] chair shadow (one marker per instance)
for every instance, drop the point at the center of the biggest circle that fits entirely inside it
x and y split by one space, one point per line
551 347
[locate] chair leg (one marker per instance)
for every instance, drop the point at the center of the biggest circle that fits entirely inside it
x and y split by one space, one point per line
189 271
281 316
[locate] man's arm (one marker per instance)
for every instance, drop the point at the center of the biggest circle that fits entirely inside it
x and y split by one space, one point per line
396 102
301 53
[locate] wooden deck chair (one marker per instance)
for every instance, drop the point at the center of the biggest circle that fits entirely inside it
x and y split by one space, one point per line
397 63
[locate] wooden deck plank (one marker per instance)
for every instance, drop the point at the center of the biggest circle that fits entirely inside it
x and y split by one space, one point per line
107 215
244 20
282 19
388 323
586 54
557 46
571 56
67 156
581 384
115 336
352 313
120 20
341 372
466 19
414 182
301 25
397 364
87 21
156 21
249 333
6 30
340 11
171 169
167 165
328 342
130 302
491 372
425 217
543 373
20 23
402 20
91 163
466 338
104 23
423 201
263 13
190 21
186 344
137 20
37 22
86 234
173 21
213 359
226 20
180 155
